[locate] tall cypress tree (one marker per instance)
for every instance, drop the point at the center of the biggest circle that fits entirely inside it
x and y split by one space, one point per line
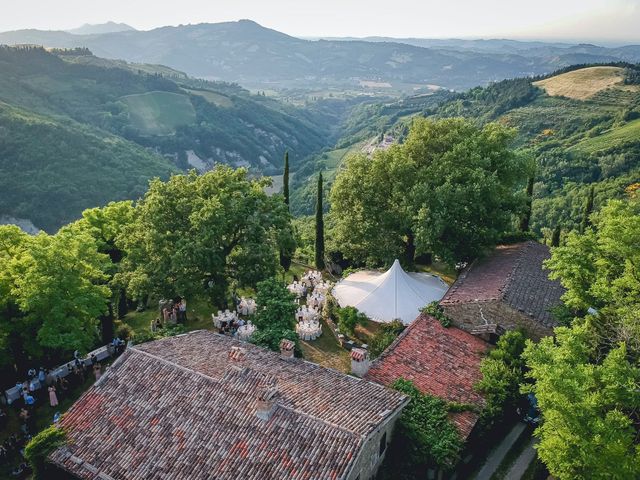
526 217
319 228
588 210
285 179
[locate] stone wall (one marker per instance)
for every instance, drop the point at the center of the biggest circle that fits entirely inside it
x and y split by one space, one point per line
368 461
469 315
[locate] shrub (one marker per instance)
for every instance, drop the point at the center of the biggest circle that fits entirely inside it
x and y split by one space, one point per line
385 337
123 331
424 436
39 448
502 373
436 311
348 318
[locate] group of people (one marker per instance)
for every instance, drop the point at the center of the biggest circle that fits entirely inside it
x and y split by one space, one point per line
231 326
172 312
13 445
42 387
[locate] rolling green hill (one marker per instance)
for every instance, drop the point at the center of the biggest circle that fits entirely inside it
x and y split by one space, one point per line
582 126
142 122
51 169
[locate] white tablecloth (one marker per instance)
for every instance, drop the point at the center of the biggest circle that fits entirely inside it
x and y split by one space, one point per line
245 331
316 300
226 316
309 330
247 306
322 287
298 289
312 277
306 314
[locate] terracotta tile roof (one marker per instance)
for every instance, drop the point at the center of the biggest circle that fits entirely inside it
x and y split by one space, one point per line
513 274
443 362
185 407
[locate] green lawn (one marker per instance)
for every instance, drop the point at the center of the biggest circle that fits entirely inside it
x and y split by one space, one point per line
159 113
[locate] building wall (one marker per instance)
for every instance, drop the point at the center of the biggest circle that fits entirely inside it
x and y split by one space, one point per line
469 315
366 465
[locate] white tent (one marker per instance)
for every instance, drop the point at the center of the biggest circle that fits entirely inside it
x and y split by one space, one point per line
395 294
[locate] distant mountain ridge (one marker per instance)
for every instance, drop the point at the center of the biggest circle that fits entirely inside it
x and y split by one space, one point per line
98 29
259 57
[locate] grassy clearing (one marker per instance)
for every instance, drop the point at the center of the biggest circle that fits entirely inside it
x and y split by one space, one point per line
629 132
326 351
217 99
582 84
159 113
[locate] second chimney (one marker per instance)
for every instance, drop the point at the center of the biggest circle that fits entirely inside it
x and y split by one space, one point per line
266 403
287 348
359 362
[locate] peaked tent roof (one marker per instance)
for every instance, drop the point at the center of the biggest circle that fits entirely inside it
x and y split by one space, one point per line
390 295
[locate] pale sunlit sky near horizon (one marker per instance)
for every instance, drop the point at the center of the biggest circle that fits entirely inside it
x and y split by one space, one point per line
576 20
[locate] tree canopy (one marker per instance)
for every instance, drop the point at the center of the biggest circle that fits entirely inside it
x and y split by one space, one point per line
452 189
196 234
52 290
587 379
275 318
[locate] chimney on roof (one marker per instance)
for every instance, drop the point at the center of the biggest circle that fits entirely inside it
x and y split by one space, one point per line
359 362
237 354
266 403
287 348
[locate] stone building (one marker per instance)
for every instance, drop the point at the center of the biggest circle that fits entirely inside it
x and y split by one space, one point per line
203 405
509 289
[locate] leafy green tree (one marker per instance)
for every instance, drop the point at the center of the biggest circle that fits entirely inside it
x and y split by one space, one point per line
502 373
59 285
195 234
589 404
275 318
424 436
52 292
586 380
452 189
106 225
319 227
599 269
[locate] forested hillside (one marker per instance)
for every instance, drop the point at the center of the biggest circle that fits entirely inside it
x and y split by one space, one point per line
69 119
592 139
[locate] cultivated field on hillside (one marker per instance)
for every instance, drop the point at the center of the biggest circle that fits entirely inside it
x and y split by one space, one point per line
583 84
213 97
628 133
159 113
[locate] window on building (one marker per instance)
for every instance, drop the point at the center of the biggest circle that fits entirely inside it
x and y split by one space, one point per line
383 444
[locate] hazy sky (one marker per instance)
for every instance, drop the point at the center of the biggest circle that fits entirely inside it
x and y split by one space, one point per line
614 20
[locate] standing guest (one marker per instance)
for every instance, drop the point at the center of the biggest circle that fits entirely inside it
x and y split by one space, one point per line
166 315
42 376
94 359
97 371
53 398
182 309
64 386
